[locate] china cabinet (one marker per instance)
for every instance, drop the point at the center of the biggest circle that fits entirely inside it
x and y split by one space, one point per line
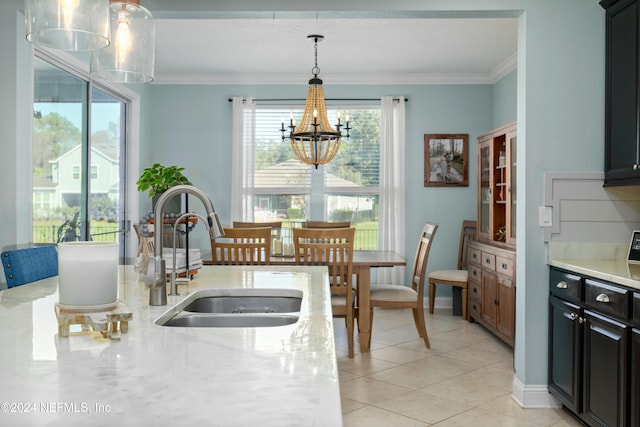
497 186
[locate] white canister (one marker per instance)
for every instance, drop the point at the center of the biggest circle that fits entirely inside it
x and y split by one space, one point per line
88 274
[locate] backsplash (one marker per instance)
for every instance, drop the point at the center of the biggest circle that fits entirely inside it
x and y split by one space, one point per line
585 211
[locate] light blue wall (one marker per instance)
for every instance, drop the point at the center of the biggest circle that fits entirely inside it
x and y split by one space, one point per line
192 128
560 110
505 100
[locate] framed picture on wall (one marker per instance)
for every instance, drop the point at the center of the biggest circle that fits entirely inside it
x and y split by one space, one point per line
446 158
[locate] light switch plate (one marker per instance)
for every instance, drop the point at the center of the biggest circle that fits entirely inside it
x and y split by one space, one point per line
544 214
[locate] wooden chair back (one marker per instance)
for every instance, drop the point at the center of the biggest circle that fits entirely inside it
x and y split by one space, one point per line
467 234
326 224
276 226
422 255
242 246
332 247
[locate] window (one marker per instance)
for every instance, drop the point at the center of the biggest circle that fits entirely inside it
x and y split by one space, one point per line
347 189
76 123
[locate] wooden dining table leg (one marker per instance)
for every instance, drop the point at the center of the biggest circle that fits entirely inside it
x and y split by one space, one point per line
363 274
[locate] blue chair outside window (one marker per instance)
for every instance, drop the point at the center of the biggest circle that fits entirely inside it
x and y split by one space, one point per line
22 266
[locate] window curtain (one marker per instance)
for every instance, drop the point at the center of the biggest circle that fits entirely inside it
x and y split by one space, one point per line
392 186
243 136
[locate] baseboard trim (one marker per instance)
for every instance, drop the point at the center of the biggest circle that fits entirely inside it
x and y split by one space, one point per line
533 396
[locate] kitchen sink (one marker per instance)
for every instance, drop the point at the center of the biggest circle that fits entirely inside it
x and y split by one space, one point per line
246 304
244 307
231 320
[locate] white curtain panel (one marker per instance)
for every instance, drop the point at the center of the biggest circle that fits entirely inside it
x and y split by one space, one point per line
392 186
243 137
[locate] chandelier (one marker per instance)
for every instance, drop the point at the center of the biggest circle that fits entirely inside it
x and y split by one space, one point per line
314 141
73 25
130 56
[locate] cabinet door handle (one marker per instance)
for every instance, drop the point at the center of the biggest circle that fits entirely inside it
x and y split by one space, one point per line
603 298
573 316
562 285
504 266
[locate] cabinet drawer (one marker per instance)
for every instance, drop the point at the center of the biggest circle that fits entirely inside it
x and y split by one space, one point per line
474 256
475 309
607 299
474 273
488 261
566 286
475 290
504 265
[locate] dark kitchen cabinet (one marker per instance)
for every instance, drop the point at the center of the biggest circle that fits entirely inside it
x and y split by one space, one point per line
635 377
622 143
591 349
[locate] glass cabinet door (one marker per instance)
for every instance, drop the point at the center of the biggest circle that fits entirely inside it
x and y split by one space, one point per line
512 155
484 185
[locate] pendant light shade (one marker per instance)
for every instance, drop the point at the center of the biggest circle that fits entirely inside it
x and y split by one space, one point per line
314 141
73 25
130 56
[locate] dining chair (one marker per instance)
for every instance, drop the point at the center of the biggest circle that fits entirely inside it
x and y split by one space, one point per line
332 247
457 278
400 296
22 266
276 226
326 224
242 246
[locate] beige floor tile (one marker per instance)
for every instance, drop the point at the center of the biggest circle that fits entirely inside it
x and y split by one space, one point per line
350 405
464 379
507 406
397 354
376 417
479 418
370 391
364 365
425 407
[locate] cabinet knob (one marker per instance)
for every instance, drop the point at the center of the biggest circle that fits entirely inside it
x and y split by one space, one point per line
573 316
581 320
603 298
635 166
562 285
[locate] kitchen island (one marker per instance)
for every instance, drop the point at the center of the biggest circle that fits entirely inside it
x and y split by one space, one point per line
158 375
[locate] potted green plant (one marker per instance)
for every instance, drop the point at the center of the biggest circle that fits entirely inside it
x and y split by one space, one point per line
159 178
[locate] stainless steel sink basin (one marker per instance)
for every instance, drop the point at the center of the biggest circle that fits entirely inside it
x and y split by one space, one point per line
244 307
231 320
245 304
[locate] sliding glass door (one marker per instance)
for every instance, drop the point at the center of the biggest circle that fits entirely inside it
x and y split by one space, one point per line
78 142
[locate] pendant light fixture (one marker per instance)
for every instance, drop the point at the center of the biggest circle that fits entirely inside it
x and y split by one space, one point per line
74 25
130 56
314 141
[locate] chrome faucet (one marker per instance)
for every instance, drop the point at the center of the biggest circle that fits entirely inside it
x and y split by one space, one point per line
156 279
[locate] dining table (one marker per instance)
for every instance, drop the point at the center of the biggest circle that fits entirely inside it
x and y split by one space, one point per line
363 262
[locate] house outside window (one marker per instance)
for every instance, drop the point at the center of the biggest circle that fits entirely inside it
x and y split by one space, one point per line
346 189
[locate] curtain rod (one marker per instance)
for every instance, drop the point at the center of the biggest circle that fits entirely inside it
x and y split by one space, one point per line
326 99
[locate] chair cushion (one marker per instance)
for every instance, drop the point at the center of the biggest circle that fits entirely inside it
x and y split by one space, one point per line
449 275
392 293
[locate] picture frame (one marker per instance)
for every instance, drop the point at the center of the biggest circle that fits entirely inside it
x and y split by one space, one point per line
634 248
446 160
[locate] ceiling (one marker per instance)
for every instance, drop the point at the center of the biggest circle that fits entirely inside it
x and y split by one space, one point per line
354 51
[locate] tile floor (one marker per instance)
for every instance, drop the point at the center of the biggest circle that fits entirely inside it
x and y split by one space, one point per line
465 379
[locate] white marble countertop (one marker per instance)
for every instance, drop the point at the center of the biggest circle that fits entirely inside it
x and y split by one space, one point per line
599 260
155 375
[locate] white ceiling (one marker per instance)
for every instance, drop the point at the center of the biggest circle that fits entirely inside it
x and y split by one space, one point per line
355 51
